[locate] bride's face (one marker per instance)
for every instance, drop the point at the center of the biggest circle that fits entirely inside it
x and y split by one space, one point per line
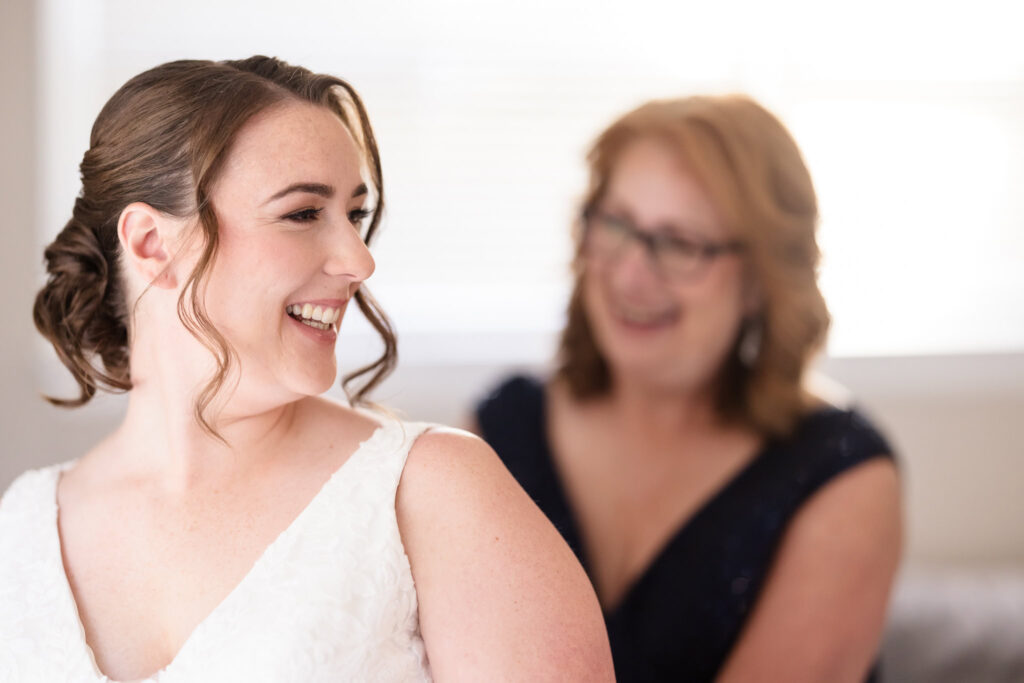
289 203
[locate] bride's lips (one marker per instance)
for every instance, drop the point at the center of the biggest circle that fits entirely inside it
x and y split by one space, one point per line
318 319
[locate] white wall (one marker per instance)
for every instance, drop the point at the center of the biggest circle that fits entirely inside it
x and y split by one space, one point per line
957 424
20 418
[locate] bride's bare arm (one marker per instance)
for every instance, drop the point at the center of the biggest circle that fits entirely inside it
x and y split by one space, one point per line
501 596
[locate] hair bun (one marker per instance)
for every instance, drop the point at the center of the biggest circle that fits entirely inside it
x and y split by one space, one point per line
81 312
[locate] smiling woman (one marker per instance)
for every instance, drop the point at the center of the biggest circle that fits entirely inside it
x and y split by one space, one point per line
236 525
724 512
288 241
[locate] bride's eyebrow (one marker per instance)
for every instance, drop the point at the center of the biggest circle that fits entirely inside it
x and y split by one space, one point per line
325 191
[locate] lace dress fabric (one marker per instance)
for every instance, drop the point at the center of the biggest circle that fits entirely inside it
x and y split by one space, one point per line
331 599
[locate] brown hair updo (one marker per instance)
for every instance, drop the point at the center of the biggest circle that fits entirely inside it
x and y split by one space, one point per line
162 139
754 173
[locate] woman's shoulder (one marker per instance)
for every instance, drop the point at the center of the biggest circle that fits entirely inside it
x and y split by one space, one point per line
514 393
828 445
443 455
429 449
321 412
477 544
845 432
512 413
450 472
28 511
31 489
337 431
452 488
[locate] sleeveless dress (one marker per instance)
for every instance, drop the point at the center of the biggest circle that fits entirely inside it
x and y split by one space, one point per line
330 599
682 616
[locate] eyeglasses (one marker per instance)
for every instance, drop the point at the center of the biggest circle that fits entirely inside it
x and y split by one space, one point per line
606 236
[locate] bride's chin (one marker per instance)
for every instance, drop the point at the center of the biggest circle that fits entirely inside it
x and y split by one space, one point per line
298 385
318 383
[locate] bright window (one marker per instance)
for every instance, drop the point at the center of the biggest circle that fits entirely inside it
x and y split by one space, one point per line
909 113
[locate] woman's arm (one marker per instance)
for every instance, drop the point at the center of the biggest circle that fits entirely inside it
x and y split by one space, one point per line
822 610
501 596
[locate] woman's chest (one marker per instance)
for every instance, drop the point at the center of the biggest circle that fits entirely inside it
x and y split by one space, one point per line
284 590
145 574
631 499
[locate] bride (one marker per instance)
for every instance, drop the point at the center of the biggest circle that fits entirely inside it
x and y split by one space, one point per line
236 525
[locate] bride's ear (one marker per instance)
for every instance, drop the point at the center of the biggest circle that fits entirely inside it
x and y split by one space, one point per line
146 235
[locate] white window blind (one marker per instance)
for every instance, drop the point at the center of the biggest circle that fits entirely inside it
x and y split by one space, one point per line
910 114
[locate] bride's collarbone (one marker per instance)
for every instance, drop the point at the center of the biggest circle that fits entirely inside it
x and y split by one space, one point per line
146 567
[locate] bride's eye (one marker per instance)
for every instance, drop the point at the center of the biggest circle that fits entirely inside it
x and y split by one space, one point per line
356 216
304 215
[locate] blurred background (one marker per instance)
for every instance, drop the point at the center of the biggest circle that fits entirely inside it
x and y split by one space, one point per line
911 118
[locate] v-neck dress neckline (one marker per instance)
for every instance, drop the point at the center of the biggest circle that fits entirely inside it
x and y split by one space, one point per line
330 598
235 594
573 530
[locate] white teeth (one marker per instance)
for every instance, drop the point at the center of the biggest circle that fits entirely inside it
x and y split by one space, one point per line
321 317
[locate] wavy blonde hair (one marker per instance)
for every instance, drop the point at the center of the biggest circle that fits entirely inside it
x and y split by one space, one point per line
755 175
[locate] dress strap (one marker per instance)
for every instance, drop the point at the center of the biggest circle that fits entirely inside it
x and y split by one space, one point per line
382 457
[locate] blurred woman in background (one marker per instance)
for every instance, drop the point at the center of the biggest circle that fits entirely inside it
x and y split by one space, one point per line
735 526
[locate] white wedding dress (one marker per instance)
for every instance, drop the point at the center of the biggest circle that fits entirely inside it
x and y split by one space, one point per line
331 599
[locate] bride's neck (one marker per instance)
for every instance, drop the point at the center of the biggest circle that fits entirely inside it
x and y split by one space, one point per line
161 435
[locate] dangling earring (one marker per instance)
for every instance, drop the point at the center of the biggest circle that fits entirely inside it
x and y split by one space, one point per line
750 342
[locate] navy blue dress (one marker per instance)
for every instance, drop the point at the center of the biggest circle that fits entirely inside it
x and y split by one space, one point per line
681 618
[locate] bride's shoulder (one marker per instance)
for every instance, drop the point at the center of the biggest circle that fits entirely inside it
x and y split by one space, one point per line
446 456
454 485
33 482
477 545
326 414
26 500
